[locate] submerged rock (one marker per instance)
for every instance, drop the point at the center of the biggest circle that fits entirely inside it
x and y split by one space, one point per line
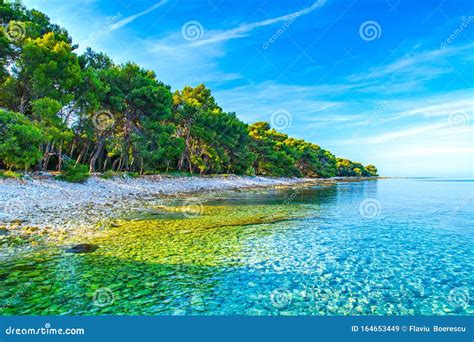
82 248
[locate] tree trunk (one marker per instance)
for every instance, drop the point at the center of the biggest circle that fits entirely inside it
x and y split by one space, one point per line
105 163
96 153
47 155
185 154
114 164
83 152
60 157
40 162
73 147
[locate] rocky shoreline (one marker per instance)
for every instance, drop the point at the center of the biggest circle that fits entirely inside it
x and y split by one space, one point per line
39 208
43 202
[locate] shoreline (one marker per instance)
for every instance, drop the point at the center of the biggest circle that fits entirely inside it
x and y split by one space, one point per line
40 204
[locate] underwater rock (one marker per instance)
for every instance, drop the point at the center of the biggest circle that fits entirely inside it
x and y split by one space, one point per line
17 222
83 248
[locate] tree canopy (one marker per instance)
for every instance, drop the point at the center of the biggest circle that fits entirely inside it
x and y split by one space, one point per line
59 109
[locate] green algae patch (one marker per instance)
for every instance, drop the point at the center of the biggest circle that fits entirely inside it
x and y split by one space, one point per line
150 264
213 238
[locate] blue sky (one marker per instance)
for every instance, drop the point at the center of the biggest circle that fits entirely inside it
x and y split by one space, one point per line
383 82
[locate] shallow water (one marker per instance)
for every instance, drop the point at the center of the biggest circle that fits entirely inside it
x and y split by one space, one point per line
385 247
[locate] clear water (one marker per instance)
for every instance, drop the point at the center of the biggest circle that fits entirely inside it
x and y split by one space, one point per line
385 247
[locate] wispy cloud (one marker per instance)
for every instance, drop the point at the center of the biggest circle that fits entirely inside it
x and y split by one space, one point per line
242 30
404 133
255 102
441 106
131 18
432 151
410 71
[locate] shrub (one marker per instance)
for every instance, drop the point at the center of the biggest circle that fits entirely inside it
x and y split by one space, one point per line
108 174
19 140
10 174
74 173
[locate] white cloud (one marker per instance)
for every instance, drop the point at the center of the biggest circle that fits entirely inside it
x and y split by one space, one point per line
403 133
432 151
242 30
131 18
256 102
443 105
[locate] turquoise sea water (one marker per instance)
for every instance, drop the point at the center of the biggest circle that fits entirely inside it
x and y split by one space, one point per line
381 247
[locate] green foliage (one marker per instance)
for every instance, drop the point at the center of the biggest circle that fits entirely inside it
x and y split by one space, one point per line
108 174
121 120
10 174
347 168
372 170
279 155
74 173
214 141
19 140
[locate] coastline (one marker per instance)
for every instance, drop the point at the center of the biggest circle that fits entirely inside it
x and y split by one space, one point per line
41 205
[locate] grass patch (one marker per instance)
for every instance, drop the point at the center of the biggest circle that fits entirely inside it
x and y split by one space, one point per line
10 174
178 174
110 174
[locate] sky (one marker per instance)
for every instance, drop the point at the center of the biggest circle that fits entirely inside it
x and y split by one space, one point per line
383 82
